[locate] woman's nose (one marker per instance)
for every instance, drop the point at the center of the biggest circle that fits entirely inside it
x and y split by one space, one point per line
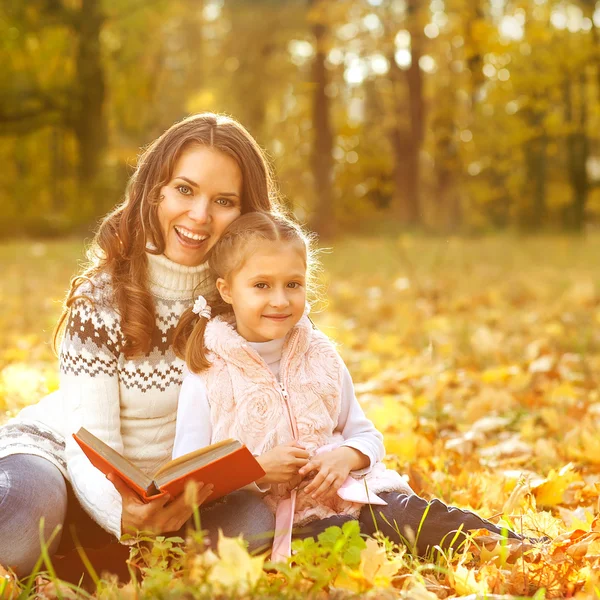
200 210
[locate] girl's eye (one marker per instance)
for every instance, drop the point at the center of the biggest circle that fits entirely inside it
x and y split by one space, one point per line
294 284
185 190
261 286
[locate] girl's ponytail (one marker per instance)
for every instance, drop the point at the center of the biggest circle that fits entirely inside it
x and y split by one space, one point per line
188 341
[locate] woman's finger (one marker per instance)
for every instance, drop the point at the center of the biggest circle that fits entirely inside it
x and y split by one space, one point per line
299 453
131 497
299 462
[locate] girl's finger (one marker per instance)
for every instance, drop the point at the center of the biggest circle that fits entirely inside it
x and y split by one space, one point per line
333 489
308 467
322 490
316 482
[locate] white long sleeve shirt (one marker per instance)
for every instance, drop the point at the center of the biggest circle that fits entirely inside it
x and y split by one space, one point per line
193 428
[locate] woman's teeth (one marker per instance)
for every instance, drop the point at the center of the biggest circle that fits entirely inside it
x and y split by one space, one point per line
190 236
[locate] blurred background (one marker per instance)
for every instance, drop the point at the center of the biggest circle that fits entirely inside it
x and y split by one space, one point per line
441 115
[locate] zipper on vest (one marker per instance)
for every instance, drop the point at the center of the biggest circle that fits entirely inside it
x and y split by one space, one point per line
286 400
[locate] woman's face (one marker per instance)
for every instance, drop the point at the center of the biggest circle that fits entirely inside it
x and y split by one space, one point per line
203 197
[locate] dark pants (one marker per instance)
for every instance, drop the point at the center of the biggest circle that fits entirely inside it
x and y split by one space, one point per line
412 520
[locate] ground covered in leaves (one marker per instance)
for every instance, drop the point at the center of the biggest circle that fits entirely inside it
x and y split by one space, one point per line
479 359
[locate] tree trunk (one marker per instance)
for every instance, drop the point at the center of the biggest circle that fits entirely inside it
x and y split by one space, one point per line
323 220
406 138
88 120
578 149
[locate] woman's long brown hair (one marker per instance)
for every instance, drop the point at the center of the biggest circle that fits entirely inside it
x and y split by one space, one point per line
225 258
119 246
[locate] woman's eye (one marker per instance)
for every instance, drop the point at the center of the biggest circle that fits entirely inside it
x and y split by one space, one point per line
223 201
185 190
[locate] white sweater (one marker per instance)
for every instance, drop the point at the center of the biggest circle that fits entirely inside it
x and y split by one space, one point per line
130 404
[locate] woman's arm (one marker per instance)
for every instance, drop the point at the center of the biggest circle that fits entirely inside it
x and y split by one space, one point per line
89 387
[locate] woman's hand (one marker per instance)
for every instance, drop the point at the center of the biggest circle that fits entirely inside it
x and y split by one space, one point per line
158 516
281 464
332 468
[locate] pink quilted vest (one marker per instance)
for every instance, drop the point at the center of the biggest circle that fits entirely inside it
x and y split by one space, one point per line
248 404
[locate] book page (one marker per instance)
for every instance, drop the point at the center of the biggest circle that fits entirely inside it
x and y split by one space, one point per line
192 460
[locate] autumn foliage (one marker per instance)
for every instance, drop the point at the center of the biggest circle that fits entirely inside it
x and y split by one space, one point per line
479 361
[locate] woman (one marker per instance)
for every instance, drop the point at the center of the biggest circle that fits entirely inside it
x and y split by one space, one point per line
119 377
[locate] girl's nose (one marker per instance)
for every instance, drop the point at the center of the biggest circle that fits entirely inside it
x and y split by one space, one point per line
200 210
279 298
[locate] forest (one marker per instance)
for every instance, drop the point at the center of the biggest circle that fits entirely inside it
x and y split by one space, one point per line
446 116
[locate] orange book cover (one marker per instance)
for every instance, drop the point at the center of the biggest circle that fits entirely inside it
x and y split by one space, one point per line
228 465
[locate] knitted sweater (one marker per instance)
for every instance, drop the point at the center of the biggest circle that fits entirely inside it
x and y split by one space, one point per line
130 404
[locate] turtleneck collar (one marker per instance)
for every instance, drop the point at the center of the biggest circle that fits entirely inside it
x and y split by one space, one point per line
269 351
172 281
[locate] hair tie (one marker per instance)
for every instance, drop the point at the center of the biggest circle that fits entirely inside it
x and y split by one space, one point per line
201 307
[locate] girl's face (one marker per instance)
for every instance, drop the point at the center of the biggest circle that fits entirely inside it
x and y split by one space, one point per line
203 197
268 293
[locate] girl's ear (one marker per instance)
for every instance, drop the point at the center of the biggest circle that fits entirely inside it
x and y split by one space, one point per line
223 288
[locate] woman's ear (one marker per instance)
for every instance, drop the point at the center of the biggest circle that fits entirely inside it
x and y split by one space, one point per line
223 288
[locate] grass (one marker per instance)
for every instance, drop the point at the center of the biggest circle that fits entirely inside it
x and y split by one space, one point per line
477 358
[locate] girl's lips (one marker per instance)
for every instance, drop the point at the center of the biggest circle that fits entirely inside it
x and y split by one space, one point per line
277 317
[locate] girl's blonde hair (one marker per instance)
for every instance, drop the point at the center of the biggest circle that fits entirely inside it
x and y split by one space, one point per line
225 259
119 247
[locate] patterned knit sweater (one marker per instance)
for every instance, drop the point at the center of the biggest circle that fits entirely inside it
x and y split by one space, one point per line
130 404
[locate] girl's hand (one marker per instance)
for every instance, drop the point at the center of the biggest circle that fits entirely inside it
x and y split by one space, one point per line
332 468
158 516
281 463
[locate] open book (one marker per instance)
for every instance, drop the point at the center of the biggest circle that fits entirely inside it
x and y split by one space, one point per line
228 465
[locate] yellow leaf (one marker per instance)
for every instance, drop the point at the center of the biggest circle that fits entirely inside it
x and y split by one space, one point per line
499 374
392 413
351 580
550 492
375 566
403 445
236 569
498 555
465 581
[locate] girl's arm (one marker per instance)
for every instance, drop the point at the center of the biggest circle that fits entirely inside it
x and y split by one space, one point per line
193 429
362 447
89 386
358 431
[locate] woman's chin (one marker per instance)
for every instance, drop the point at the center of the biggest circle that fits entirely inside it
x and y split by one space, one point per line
186 257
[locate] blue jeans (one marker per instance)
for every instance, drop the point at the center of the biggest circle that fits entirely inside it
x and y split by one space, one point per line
32 487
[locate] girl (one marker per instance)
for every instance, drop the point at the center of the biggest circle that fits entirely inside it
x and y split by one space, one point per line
262 374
